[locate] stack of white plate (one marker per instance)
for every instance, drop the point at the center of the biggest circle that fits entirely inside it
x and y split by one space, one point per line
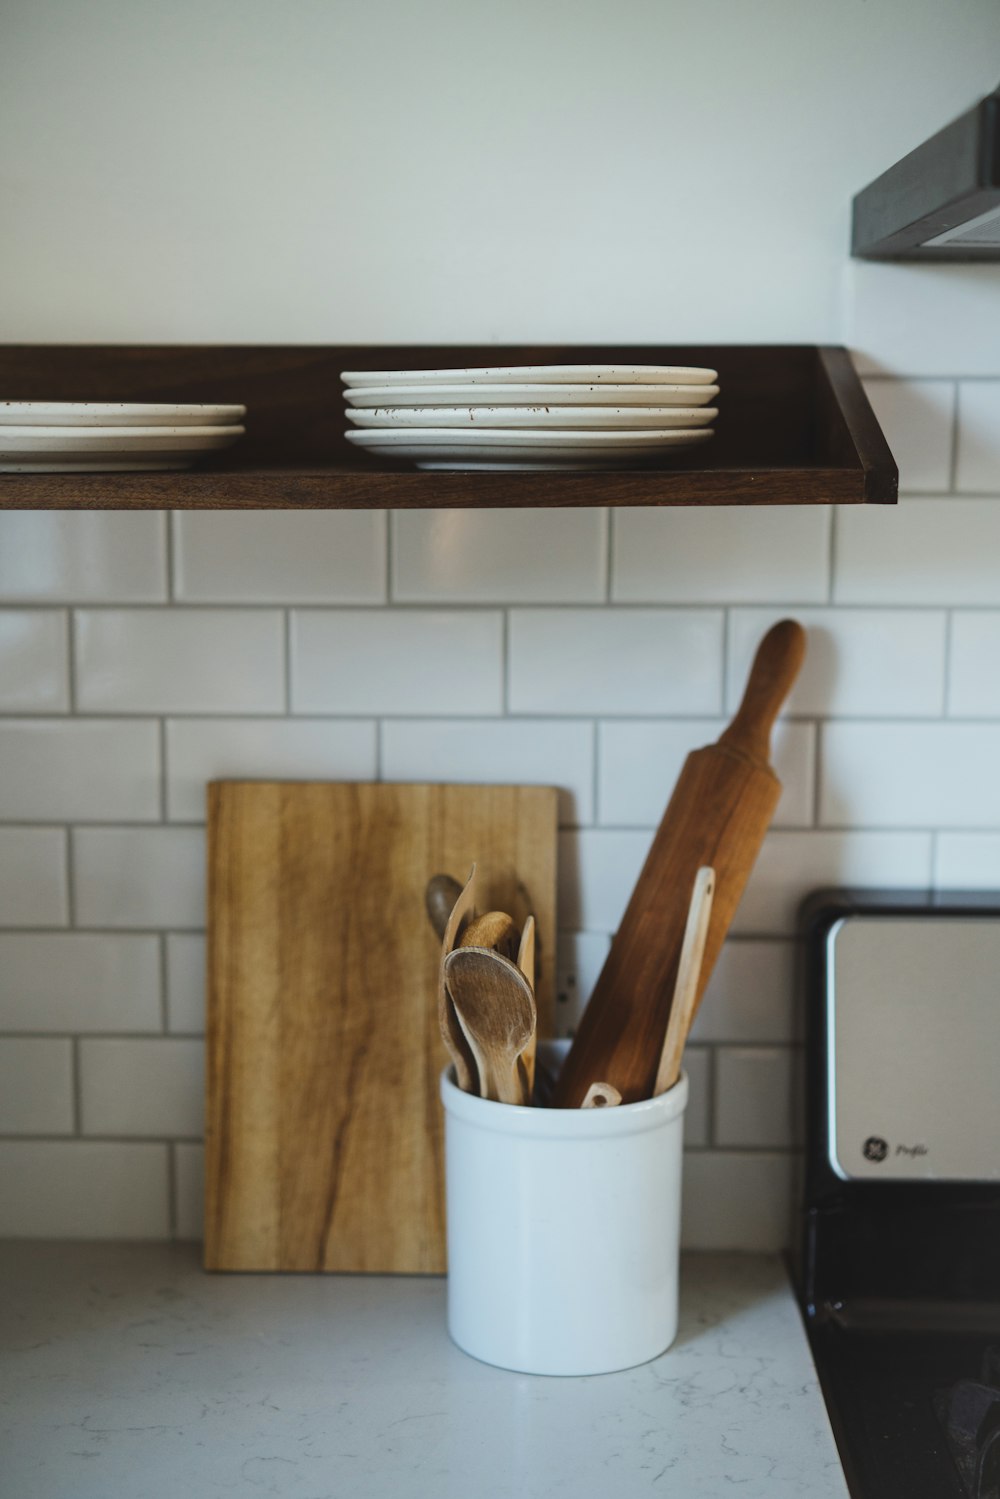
102 437
531 416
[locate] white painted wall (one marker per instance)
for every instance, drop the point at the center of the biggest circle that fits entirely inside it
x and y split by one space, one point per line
318 170
235 170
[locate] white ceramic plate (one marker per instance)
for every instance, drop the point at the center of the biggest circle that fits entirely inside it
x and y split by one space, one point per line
520 417
369 396
115 414
436 447
89 449
548 374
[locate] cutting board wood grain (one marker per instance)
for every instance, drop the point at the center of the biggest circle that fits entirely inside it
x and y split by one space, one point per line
324 1132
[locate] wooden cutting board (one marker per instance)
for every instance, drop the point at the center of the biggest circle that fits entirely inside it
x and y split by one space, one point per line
324 1131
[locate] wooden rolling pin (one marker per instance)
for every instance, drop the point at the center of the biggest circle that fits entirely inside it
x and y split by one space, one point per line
720 810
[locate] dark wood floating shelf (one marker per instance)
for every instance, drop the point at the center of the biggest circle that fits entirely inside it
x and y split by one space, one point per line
794 428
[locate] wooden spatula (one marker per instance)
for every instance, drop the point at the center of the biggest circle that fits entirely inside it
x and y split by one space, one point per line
451 1030
720 810
682 1005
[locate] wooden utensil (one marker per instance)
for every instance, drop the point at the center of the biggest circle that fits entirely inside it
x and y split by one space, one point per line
496 1008
718 815
442 891
688 974
454 1037
324 1129
601 1096
526 963
494 929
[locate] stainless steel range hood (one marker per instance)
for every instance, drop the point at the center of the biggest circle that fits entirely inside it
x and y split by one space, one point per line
942 201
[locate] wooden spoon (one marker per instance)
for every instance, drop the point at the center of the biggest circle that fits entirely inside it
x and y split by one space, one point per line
682 1006
454 1036
601 1096
495 929
443 890
496 1010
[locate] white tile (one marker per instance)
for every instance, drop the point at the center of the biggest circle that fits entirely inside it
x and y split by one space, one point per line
500 556
697 1065
910 775
34 661
75 770
579 960
277 557
154 1087
917 418
396 661
940 551
139 877
554 753
702 555
754 1103
83 1189
737 1200
889 664
186 983
973 679
33 888
793 865
615 660
978 468
79 981
639 762
189 1191
967 861
931 320
750 995
597 870
281 749
55 556
36 1086
180 660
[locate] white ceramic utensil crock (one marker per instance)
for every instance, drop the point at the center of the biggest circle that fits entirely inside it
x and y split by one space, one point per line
563 1231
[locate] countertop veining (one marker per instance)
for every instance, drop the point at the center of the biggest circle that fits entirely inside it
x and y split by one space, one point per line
127 1373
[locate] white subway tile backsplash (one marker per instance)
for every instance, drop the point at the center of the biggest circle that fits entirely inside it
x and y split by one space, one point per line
83 1189
597 870
792 865
615 660
189 1190
639 762
697 1125
83 556
34 661
186 983
278 557
579 960
33 888
754 1104
397 661
940 551
917 417
750 995
500 556
139 877
276 749
79 982
967 861
910 775
36 1086
859 662
154 1087
973 678
79 770
554 753
703 555
922 320
180 660
978 469
737 1200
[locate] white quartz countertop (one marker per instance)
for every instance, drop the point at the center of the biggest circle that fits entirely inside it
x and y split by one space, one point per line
127 1373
